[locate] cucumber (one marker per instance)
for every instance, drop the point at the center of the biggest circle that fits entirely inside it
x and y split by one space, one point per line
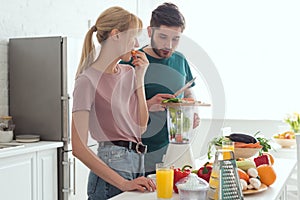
172 100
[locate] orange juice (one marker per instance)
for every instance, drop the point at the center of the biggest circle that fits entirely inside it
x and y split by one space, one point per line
226 154
228 145
164 183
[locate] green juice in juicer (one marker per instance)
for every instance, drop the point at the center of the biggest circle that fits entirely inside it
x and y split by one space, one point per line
180 119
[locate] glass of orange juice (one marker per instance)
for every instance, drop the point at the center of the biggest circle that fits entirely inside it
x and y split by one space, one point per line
228 146
164 181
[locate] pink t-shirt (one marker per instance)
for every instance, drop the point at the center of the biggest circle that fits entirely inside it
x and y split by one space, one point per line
112 103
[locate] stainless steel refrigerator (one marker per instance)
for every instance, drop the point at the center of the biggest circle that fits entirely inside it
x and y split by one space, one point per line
41 80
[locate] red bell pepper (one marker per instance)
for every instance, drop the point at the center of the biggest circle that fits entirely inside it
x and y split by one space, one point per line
205 172
179 174
260 160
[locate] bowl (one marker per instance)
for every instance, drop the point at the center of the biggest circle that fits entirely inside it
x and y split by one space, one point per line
6 136
245 152
285 143
192 187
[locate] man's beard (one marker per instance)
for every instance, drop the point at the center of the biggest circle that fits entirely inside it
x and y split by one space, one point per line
162 53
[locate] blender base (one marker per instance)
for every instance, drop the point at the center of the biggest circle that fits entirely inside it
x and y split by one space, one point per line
178 155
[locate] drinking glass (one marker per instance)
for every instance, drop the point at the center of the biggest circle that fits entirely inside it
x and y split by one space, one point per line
164 181
227 145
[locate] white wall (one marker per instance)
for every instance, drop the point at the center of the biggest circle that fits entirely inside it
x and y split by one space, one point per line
46 18
255 46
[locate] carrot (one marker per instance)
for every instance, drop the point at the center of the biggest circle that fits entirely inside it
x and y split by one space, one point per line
243 175
133 54
245 145
188 99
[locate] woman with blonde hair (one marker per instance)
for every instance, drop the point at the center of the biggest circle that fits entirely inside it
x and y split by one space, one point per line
109 103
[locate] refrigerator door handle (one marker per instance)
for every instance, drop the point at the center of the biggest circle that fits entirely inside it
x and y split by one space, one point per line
66 132
72 177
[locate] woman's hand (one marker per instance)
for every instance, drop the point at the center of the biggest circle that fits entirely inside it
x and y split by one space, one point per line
154 104
141 184
140 62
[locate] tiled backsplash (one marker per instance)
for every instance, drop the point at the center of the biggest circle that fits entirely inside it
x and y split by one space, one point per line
3 78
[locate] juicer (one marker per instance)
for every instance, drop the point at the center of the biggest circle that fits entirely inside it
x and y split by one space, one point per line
180 121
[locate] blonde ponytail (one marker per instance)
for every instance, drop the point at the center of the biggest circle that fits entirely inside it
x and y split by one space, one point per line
112 18
87 54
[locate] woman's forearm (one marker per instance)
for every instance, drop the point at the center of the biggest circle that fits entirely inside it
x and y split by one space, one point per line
142 107
91 160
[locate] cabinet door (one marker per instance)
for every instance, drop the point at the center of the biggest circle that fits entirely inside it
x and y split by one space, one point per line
18 177
47 174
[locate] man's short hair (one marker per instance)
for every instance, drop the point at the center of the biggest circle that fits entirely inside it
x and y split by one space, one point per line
167 14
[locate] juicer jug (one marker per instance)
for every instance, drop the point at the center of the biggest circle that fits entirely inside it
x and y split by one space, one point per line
180 122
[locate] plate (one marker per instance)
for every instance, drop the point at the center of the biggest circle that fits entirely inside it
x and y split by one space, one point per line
27 138
262 188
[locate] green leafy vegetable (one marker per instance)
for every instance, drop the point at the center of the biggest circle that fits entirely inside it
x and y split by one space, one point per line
264 142
217 141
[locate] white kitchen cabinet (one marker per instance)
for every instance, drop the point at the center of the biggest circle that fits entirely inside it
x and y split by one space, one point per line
47 175
18 177
30 172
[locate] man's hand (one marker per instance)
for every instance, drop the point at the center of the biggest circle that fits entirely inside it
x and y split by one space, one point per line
154 104
196 120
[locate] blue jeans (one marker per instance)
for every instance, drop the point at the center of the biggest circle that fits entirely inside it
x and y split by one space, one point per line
127 163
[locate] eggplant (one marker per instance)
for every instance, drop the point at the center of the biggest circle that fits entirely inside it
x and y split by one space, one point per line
240 137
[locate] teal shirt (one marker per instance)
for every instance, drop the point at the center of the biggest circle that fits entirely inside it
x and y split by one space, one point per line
163 76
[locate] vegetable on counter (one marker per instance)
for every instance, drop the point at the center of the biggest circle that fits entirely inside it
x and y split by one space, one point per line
241 141
264 143
205 171
261 160
240 137
179 174
217 141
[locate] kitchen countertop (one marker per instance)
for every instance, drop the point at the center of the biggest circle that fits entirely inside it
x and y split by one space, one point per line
283 169
28 148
